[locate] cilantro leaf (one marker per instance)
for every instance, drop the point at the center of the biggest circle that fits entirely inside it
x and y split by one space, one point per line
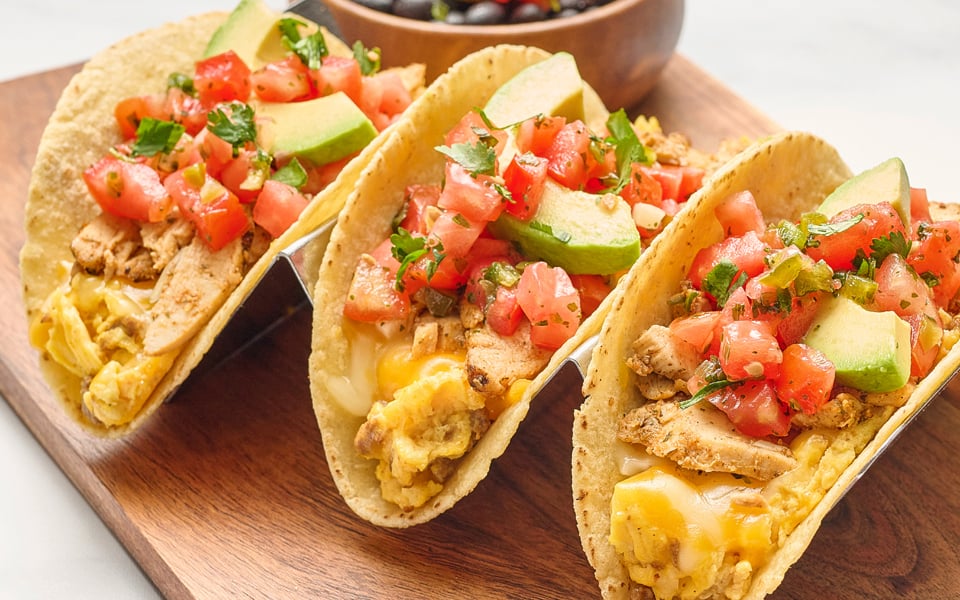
408 249
895 243
723 280
833 228
705 391
477 159
156 137
559 235
627 147
183 82
311 49
292 173
235 127
369 58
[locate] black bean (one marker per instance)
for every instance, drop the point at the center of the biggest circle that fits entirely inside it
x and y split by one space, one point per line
413 9
527 12
381 5
486 12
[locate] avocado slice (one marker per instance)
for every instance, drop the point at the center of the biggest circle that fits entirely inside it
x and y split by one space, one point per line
243 32
550 87
870 350
321 130
581 232
886 182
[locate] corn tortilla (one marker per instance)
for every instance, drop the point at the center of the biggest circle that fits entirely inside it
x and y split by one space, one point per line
788 174
80 131
407 157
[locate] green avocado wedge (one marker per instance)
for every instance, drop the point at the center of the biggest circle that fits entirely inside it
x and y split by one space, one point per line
886 182
581 232
550 87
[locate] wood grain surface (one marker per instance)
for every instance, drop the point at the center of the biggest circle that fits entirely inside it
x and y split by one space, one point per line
225 492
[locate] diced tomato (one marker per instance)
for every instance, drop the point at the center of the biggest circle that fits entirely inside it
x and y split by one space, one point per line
919 208
128 189
183 108
486 247
536 134
525 177
593 289
839 249
569 155
738 214
372 296
900 290
699 329
806 378
550 301
286 80
216 151
130 111
504 313
668 178
244 175
418 199
795 323
468 130
456 233
319 177
642 188
215 211
222 78
339 74
753 408
935 256
394 95
476 198
447 273
749 350
747 252
278 206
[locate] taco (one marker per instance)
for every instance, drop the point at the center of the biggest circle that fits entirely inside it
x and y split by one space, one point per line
472 257
756 359
176 164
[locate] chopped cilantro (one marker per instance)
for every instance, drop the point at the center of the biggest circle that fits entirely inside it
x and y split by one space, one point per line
292 173
311 49
627 147
832 228
408 249
705 391
723 280
369 58
477 159
182 82
156 137
235 126
561 236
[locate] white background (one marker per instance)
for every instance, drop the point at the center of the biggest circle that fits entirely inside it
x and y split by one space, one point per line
876 78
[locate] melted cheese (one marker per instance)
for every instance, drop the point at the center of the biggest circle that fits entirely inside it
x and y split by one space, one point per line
688 535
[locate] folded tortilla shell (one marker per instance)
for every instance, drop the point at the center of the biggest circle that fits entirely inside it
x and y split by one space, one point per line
407 157
788 174
79 132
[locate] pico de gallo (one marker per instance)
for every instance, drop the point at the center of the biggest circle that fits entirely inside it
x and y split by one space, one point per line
501 313
198 148
750 299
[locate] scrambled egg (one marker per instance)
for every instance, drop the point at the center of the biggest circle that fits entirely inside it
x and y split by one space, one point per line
94 329
689 535
428 422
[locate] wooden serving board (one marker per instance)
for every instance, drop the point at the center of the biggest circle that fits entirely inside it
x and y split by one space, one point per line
225 493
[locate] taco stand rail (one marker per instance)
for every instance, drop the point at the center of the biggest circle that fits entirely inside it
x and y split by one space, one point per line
226 492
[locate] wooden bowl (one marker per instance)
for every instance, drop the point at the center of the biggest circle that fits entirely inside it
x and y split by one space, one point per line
621 48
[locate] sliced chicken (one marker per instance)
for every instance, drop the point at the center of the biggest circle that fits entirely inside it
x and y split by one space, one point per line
434 335
191 289
494 361
111 246
662 362
164 239
702 438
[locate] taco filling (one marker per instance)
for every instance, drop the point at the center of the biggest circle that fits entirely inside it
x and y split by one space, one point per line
486 273
207 175
792 343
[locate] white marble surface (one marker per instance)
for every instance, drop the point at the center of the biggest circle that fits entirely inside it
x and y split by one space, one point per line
875 77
